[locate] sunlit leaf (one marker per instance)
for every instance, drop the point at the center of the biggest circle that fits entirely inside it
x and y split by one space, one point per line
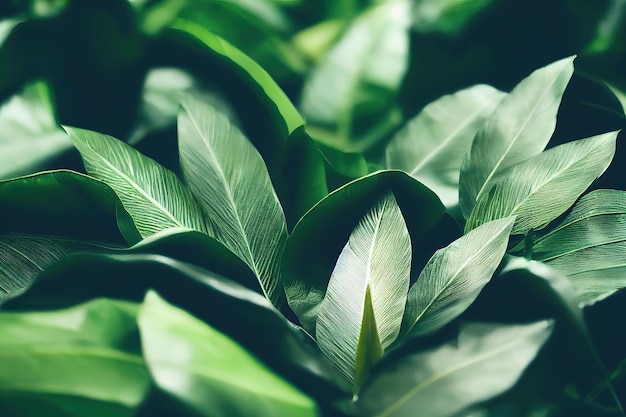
229 178
454 277
361 313
82 361
449 17
483 362
209 371
154 197
432 145
543 187
519 128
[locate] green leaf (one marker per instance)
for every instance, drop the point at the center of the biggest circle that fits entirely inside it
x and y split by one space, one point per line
317 240
229 178
588 245
30 134
361 313
483 362
432 145
519 128
348 99
209 371
82 361
154 197
448 17
543 187
454 277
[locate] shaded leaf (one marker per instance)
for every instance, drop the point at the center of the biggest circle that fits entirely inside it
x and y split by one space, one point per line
484 361
454 276
449 17
81 361
432 145
154 197
362 310
519 128
209 371
229 178
543 187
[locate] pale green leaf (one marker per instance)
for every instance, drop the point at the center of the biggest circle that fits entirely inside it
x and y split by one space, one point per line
543 187
454 276
519 128
432 145
483 362
229 178
153 196
447 17
361 313
210 372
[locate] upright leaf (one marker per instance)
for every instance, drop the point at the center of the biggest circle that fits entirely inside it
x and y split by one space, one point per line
543 187
454 277
210 372
362 311
483 362
432 145
229 178
154 197
519 128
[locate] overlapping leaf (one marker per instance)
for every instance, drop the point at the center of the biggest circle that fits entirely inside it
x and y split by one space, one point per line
154 197
432 145
519 128
229 178
454 277
361 313
543 187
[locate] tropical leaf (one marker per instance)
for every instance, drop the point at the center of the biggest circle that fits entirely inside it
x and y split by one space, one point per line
229 178
348 98
543 187
432 145
519 128
81 361
454 277
483 362
154 197
361 313
215 376
588 245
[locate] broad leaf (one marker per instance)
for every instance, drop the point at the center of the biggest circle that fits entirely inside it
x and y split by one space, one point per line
543 187
210 372
348 100
319 237
83 361
432 145
483 362
229 178
154 197
588 245
448 17
519 128
361 313
454 277
30 135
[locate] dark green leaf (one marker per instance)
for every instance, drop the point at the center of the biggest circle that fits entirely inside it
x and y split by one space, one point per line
449 17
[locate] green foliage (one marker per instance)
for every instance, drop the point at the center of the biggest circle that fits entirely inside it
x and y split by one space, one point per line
419 233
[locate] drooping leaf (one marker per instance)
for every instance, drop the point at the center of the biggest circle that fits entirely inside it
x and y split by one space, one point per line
317 240
30 135
361 313
484 361
81 361
454 276
348 99
154 197
229 178
209 371
543 187
432 145
519 128
588 245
